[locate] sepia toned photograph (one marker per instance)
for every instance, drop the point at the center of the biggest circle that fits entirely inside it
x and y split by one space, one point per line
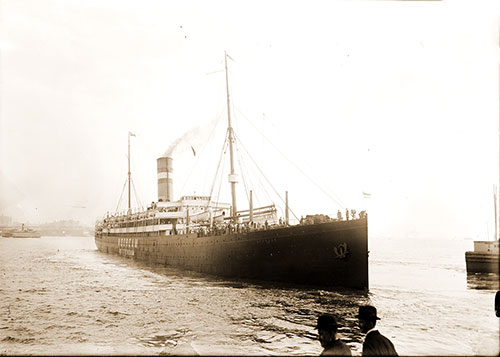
249 178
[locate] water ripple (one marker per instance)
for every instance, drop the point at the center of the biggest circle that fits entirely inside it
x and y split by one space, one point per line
62 295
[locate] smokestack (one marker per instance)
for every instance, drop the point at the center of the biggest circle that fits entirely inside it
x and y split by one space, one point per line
165 175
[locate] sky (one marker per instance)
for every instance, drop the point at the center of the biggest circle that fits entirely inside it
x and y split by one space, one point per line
399 99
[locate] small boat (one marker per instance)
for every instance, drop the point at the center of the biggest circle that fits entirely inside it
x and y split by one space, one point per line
485 258
7 234
486 255
24 233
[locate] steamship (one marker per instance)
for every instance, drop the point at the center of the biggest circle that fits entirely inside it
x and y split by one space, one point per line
201 234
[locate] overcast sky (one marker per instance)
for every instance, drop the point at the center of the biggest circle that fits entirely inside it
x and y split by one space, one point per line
396 98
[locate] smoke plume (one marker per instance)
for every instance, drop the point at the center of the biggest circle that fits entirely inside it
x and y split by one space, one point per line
193 137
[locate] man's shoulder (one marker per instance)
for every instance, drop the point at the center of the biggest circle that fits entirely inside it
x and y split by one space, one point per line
341 343
376 343
337 348
376 336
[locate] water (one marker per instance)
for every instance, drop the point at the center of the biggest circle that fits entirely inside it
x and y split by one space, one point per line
61 296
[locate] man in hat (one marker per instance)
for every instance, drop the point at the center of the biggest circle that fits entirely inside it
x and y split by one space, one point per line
375 343
327 331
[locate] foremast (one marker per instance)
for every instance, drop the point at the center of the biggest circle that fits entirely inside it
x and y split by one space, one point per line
232 175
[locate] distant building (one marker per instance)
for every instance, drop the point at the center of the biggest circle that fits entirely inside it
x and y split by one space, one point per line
64 228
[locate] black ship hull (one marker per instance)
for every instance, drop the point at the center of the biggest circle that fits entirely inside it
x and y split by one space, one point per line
332 254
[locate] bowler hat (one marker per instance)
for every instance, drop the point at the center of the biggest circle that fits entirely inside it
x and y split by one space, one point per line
367 313
326 322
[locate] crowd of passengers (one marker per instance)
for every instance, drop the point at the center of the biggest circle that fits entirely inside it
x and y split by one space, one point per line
223 228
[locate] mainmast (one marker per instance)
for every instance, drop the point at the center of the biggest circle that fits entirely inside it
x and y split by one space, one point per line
129 206
232 176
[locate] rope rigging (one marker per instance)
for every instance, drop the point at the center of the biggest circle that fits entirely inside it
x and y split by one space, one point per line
259 182
263 188
242 175
132 184
247 165
202 151
137 200
263 175
224 147
121 195
220 183
334 199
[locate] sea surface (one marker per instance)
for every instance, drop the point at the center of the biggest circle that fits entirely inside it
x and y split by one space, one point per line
59 295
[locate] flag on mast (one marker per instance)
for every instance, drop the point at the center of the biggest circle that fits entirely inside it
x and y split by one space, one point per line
366 195
131 134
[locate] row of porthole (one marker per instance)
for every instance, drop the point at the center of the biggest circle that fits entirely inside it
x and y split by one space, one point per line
131 242
193 243
176 257
201 258
127 242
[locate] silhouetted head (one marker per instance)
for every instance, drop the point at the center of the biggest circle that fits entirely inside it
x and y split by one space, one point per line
367 317
327 329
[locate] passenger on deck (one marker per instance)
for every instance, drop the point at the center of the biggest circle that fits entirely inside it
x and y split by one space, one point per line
339 215
327 333
346 214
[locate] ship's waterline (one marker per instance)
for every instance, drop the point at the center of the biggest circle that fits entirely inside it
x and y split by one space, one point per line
328 254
